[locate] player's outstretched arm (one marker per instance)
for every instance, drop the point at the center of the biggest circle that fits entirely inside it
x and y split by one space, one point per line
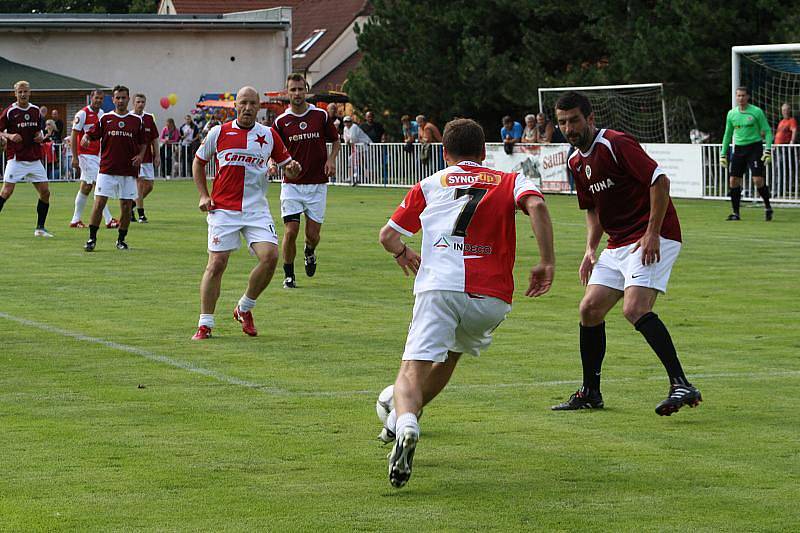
541 278
594 231
650 243
406 258
199 176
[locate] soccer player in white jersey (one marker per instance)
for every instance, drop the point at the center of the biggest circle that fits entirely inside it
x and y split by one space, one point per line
465 278
237 206
87 160
152 158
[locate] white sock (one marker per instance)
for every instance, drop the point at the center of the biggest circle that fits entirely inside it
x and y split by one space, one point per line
206 320
391 421
246 304
80 204
107 214
407 421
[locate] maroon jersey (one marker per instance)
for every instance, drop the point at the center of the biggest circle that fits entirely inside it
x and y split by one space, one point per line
150 132
121 137
24 121
614 178
306 137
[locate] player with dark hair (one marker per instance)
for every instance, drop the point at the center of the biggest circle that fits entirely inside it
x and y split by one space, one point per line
152 157
305 130
123 146
465 278
748 127
625 194
20 130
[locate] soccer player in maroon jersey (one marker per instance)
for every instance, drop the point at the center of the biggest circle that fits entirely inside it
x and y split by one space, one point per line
305 130
123 146
20 128
152 157
626 195
465 278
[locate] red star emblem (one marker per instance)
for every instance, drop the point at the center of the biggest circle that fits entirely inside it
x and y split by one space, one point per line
261 140
215 239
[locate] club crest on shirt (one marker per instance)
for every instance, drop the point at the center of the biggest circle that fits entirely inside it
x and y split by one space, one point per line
460 179
303 125
588 172
121 124
27 116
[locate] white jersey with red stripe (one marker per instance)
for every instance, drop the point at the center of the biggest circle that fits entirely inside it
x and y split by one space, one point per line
85 119
467 216
242 156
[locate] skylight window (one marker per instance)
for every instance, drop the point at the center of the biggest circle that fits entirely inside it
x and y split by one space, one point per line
306 45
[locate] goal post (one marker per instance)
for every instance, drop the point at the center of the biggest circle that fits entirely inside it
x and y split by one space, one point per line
772 74
638 109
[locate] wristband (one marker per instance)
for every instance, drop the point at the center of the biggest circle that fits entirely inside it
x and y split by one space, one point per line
401 252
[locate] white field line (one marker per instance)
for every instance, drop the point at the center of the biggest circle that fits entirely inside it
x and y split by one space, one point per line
277 391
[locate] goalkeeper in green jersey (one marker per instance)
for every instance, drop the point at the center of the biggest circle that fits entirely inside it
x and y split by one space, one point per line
747 125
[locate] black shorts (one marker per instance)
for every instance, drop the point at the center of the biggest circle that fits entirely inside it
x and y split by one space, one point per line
746 157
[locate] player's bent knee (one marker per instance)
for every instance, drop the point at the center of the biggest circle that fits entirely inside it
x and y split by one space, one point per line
591 312
634 311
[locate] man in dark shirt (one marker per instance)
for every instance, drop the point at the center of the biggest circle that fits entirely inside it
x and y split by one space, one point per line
374 130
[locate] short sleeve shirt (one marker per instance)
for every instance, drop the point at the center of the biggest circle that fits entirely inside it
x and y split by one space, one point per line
26 122
121 138
306 137
85 119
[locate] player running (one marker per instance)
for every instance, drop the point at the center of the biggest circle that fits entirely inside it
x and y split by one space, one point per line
123 145
465 278
626 194
305 129
152 157
237 206
87 160
20 129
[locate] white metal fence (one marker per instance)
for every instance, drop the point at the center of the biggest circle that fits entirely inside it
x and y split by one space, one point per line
401 165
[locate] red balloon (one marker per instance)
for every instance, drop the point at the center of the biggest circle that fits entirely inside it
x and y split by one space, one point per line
164 102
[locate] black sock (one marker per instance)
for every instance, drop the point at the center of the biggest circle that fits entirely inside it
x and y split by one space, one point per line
93 232
763 192
41 213
140 211
308 251
657 336
288 269
122 234
593 349
736 198
2 202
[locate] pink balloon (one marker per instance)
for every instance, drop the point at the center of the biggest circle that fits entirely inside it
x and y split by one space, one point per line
164 102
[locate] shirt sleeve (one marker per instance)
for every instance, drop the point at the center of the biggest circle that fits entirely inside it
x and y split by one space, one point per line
209 145
524 186
764 127
632 158
279 154
80 120
406 217
726 139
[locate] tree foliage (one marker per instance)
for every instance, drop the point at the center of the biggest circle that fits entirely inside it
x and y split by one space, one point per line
487 59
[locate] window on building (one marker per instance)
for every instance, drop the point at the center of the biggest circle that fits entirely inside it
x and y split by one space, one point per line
303 48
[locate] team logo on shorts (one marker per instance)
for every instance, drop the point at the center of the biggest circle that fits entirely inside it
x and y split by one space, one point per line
121 124
215 239
303 125
588 172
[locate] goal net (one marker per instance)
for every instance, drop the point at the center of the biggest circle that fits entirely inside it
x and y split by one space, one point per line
771 73
636 109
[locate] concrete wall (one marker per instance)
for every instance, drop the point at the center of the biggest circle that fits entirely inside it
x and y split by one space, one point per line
342 48
157 62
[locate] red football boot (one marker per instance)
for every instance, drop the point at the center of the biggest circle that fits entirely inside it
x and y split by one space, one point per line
113 224
78 224
246 319
203 332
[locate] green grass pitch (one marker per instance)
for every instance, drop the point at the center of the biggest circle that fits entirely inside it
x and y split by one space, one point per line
111 419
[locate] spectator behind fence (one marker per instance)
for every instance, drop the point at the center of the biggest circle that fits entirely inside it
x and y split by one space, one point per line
333 116
428 133
373 128
170 136
529 133
785 157
43 116
410 129
59 133
358 138
511 133
189 143
50 151
544 129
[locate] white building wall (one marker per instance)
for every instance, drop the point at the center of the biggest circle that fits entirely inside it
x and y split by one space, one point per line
341 49
158 62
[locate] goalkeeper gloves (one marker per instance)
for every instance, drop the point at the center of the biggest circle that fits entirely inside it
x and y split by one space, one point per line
723 161
767 157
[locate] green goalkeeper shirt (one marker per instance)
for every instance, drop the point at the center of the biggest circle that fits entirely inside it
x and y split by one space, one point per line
746 127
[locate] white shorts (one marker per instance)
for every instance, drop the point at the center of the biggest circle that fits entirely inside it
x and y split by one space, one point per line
90 167
147 172
452 321
122 187
308 199
619 269
226 228
32 171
